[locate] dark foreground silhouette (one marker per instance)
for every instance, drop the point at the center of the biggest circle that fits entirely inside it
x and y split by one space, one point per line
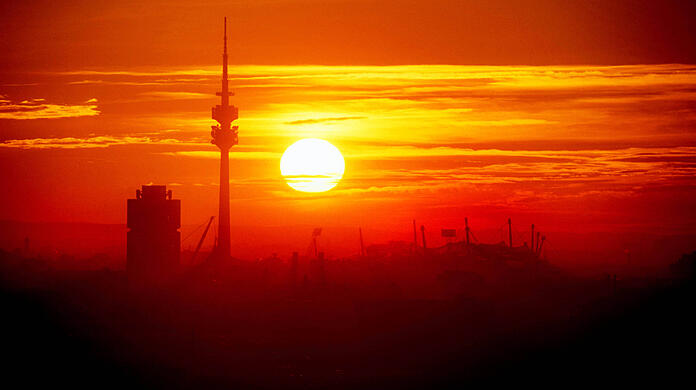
412 322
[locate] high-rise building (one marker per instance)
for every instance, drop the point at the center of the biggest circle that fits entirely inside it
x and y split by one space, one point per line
224 136
154 240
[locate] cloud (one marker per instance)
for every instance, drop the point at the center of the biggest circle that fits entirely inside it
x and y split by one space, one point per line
541 175
83 143
39 109
177 95
235 155
323 120
507 122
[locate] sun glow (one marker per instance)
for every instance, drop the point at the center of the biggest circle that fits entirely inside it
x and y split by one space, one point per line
312 165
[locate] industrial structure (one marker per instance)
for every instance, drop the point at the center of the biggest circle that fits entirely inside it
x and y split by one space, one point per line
153 240
224 136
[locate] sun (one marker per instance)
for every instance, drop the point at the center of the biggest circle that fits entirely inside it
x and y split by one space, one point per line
312 165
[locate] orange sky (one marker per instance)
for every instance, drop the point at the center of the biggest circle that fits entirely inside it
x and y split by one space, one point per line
97 99
44 34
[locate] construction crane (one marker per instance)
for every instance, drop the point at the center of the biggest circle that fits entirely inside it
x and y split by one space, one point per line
466 223
541 246
362 245
200 242
313 245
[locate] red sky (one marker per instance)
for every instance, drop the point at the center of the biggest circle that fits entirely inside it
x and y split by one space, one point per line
597 134
77 33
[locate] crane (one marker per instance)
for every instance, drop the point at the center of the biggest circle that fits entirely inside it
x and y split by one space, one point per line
200 242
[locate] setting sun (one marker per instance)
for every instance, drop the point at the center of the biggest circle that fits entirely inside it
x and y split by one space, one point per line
312 165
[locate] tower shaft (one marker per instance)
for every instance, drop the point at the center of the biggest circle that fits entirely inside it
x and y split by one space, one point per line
223 247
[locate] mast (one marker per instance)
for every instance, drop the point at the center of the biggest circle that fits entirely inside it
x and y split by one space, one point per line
425 247
224 136
362 246
225 94
466 224
415 237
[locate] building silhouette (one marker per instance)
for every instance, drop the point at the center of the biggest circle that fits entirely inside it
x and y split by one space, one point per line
224 136
154 240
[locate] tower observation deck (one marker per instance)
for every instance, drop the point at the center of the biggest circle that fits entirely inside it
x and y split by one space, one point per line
224 136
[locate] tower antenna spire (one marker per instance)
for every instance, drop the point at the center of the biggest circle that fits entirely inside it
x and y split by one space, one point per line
225 36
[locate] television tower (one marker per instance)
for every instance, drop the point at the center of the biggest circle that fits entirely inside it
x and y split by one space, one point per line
224 136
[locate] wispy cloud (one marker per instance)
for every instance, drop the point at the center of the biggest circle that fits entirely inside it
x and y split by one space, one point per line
40 109
235 155
323 120
82 143
168 95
